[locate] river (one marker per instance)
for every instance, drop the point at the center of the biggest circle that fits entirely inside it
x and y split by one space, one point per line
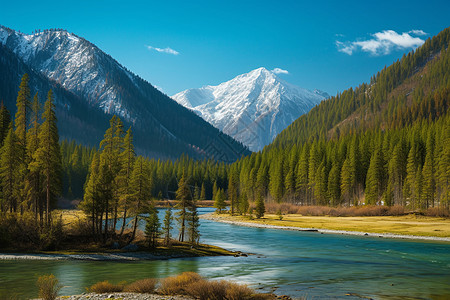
300 264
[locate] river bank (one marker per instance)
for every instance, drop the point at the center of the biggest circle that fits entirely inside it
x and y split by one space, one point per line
368 226
122 296
163 253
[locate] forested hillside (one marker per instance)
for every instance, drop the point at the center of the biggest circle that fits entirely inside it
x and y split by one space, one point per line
386 142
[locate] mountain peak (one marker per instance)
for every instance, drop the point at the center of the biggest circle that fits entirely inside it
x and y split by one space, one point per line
253 107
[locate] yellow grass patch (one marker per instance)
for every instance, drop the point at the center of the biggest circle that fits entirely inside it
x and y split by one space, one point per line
405 225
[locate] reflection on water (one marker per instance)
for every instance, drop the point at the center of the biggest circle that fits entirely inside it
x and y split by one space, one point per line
299 263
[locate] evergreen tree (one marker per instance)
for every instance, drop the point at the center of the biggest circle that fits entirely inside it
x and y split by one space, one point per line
21 124
152 227
141 186
334 185
243 203
91 203
33 180
429 173
203 192
346 181
233 191
301 184
9 173
127 158
167 226
5 120
21 119
260 208
184 198
214 191
219 201
47 158
193 225
374 178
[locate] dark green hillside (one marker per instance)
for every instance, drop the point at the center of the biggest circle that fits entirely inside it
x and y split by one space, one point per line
413 88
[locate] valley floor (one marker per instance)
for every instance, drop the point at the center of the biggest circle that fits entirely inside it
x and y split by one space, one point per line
406 227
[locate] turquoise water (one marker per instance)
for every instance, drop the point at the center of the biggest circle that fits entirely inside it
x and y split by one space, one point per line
318 266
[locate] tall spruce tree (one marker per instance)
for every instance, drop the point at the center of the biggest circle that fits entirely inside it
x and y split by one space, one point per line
21 125
184 198
47 158
142 186
5 120
9 174
33 180
167 226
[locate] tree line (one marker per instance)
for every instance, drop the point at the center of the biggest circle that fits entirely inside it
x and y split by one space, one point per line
30 157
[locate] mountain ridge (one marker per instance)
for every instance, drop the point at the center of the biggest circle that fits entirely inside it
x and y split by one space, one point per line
86 71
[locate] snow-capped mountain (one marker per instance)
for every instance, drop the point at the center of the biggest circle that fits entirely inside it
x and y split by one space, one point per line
162 127
73 62
253 107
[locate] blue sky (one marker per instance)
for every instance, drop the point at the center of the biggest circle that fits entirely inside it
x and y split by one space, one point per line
176 45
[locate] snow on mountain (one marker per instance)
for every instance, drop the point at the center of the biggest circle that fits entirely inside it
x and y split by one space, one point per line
253 107
75 63
99 84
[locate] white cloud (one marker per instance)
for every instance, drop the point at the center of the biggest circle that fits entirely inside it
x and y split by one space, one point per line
167 50
280 71
383 42
417 32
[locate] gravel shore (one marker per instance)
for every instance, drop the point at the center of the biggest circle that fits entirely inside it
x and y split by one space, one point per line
213 217
122 296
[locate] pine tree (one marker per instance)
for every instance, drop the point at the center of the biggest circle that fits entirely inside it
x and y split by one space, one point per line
409 191
429 185
334 184
346 181
21 118
233 191
219 201
243 203
91 201
214 191
9 174
193 225
127 158
5 120
301 184
203 192
110 167
152 227
167 226
33 179
184 198
374 178
47 158
276 185
142 188
21 124
260 208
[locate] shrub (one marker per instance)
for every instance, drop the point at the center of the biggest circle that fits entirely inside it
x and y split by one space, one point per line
238 292
177 284
208 290
105 287
147 285
48 287
438 212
